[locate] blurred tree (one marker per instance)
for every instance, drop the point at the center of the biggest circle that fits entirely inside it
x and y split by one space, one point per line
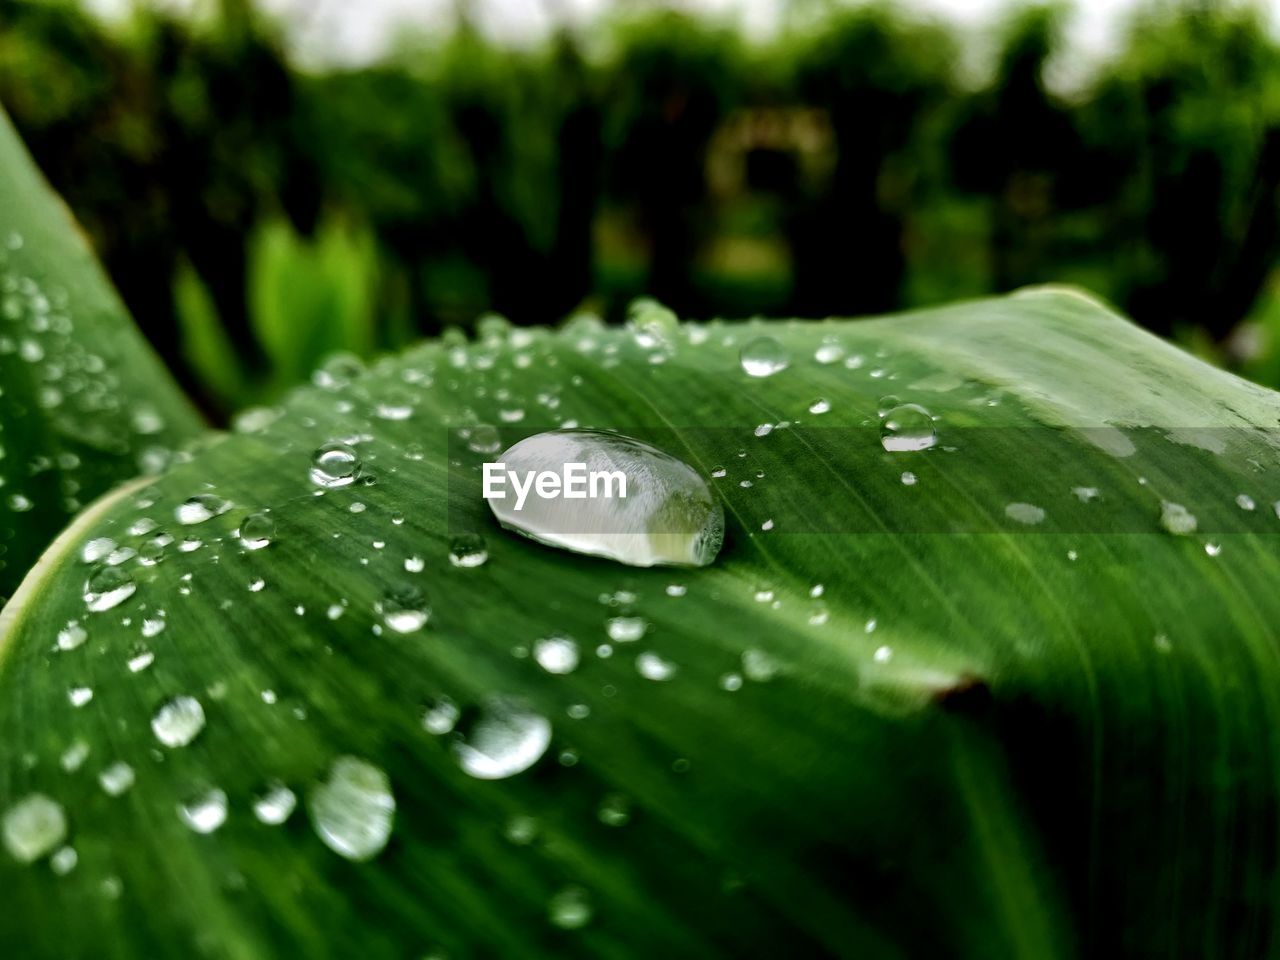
672 81
1190 115
837 168
1017 145
877 74
164 137
531 129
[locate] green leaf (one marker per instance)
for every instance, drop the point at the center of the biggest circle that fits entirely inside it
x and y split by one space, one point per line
84 403
904 720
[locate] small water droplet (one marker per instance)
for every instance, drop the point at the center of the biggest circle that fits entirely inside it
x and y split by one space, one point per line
354 809
652 325
626 629
71 636
1175 518
396 405
468 550
97 549
117 778
1245 502
107 587
337 371
570 909
758 666
505 738
206 811
1027 513
556 654
64 861
521 830
440 715
404 608
200 508
763 357
178 721
653 667
335 464
907 427
615 810
257 531
33 827
152 552
79 696
74 756
484 438
820 406
275 804
828 353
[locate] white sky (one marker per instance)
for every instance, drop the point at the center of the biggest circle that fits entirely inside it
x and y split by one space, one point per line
352 32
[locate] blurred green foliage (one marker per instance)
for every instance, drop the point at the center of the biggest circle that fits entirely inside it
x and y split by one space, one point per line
257 216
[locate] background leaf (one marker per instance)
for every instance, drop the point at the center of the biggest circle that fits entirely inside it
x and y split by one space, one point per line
84 403
901 721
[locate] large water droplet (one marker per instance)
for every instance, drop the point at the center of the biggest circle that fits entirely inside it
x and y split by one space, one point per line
404 608
206 811
335 464
33 826
504 739
907 427
668 516
107 587
178 721
353 810
257 531
763 357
